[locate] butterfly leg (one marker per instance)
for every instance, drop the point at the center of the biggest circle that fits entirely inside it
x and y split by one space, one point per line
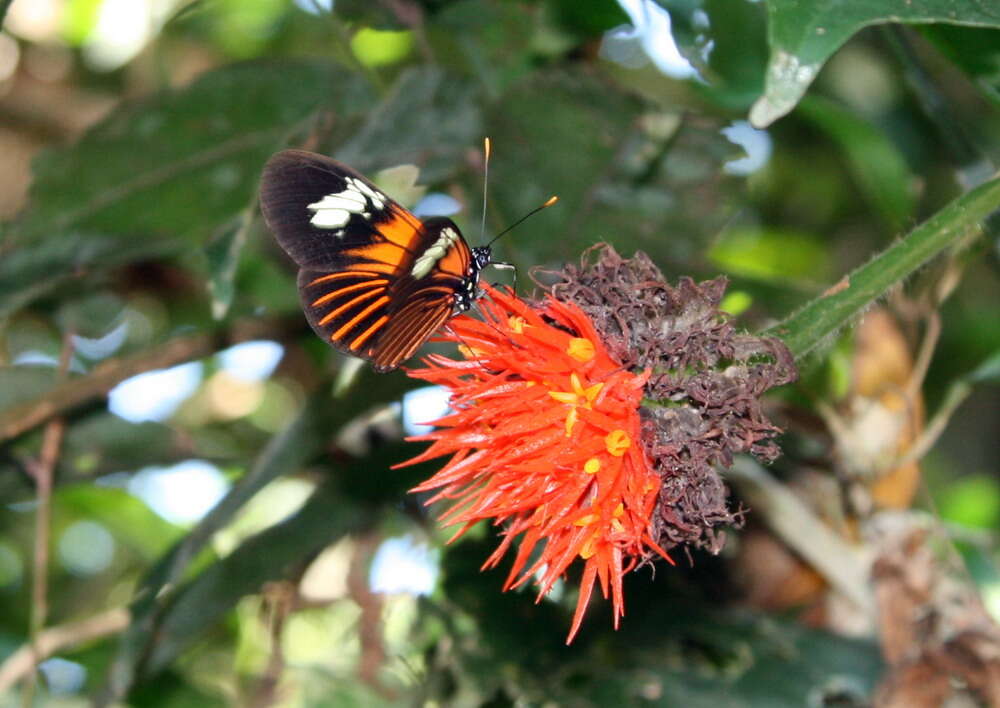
507 266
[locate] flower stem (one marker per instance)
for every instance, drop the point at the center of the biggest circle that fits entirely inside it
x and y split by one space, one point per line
962 219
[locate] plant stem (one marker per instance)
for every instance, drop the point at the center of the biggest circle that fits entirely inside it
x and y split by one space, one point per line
818 319
43 471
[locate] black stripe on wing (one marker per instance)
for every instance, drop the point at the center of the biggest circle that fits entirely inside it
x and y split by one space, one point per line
407 330
348 309
418 312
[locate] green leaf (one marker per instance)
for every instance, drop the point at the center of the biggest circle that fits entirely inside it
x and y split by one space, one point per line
729 50
103 443
376 48
80 19
273 554
483 40
126 517
223 255
4 6
987 372
23 383
975 49
284 454
790 666
672 649
586 19
35 270
625 172
803 34
303 439
877 164
91 316
771 255
972 500
960 220
429 118
186 161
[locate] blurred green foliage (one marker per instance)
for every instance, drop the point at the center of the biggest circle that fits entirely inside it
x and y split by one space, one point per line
145 230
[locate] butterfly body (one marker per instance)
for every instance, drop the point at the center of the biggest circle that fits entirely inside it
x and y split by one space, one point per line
375 281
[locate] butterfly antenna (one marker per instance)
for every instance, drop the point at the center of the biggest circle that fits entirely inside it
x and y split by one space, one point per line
551 200
486 179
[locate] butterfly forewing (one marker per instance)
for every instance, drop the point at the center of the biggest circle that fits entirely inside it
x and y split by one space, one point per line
374 280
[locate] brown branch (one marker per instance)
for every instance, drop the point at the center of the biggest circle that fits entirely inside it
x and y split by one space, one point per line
105 376
370 623
278 598
70 394
53 639
43 470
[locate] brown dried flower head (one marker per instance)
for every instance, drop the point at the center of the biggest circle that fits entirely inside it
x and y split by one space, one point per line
703 399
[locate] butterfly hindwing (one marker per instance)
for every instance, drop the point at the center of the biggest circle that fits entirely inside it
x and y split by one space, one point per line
374 280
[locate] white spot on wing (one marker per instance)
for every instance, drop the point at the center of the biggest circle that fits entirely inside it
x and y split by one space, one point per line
377 199
330 218
345 200
334 210
429 258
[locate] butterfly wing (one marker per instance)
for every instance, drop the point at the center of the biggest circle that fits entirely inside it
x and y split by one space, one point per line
426 295
374 280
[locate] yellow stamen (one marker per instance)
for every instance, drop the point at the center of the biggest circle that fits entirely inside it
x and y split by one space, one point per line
516 323
577 397
580 349
592 466
571 421
619 511
588 548
617 442
469 352
563 396
586 520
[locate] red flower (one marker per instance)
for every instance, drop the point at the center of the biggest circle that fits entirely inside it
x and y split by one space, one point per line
545 440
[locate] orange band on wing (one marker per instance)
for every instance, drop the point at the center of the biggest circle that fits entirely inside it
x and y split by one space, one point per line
341 274
366 335
349 304
455 261
376 283
358 318
401 213
400 231
382 253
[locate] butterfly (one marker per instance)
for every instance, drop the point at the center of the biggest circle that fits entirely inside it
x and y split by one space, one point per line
374 280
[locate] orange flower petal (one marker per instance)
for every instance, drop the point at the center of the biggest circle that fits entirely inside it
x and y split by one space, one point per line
540 440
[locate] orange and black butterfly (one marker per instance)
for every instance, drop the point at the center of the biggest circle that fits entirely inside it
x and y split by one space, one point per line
375 280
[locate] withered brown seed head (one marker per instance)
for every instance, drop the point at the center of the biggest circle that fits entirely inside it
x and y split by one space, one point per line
704 393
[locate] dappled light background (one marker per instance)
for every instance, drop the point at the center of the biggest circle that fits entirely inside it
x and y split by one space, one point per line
137 279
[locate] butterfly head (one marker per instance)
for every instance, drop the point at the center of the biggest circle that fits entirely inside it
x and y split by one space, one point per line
482 256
